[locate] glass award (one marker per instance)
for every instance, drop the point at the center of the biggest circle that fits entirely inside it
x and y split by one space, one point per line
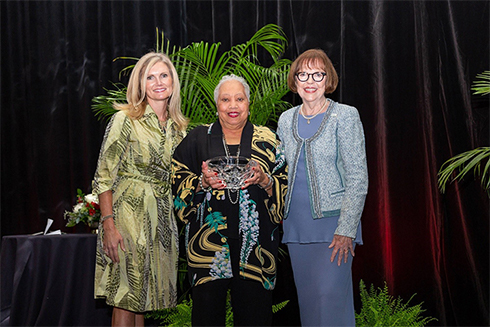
233 170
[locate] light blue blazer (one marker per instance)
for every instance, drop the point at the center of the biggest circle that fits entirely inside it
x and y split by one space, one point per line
336 165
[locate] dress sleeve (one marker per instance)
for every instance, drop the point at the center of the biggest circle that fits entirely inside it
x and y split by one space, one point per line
112 152
278 169
185 178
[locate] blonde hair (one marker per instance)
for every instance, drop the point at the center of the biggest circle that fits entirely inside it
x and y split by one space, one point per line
309 57
136 92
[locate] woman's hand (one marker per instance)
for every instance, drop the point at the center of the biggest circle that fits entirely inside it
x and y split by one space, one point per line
260 178
341 245
210 178
112 240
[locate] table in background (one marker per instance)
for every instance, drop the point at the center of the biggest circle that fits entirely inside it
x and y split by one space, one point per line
49 281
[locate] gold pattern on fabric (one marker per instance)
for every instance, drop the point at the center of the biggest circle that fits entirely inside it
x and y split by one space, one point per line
204 244
205 213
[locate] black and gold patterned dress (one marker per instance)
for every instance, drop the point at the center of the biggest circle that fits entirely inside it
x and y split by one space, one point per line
135 164
211 217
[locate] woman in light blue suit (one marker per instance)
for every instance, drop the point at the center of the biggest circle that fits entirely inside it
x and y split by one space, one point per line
327 185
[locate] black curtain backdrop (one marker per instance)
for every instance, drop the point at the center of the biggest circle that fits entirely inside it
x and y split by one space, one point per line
406 65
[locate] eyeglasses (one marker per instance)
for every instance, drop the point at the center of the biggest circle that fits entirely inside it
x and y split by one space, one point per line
317 76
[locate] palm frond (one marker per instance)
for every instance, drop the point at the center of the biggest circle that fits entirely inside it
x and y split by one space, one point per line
270 37
164 46
126 70
460 165
200 66
456 168
200 57
279 306
482 84
102 105
271 87
196 65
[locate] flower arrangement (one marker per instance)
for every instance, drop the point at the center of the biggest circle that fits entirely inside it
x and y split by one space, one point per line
87 210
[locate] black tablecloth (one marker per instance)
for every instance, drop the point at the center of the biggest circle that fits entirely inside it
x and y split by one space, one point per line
49 281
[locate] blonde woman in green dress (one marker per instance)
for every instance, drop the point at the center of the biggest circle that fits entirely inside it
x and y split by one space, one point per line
137 247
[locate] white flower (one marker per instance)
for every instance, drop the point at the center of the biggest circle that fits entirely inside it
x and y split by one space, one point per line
77 207
221 265
92 198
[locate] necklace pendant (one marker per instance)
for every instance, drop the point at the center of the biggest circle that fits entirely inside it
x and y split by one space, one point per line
308 121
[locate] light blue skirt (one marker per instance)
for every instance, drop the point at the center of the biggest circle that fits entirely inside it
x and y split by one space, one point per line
324 289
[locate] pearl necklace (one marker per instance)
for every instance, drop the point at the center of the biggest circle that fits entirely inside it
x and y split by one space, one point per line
308 118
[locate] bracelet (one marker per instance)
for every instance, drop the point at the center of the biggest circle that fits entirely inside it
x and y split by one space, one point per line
272 184
268 188
269 183
207 189
105 218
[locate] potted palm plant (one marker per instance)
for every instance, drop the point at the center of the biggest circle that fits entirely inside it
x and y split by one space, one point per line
201 65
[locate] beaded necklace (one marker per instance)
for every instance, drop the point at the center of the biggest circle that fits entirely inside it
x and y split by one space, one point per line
227 151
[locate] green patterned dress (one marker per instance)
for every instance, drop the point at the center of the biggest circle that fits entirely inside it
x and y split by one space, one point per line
135 164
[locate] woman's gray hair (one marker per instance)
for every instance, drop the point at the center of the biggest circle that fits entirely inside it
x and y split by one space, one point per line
230 77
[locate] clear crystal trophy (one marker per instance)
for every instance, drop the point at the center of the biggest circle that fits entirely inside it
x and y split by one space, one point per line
233 170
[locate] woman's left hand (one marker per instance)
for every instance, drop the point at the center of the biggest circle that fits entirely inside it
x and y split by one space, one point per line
341 245
258 177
